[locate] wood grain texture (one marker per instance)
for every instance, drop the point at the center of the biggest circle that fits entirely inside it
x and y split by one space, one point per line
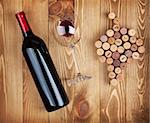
32 103
11 62
92 101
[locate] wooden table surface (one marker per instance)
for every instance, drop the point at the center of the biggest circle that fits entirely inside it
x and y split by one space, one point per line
93 101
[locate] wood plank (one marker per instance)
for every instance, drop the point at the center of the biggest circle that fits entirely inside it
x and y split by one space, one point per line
63 63
2 68
87 93
37 15
81 108
11 63
111 97
137 74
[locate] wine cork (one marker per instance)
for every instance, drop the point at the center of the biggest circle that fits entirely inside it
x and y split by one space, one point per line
117 70
133 39
126 45
109 61
128 53
135 55
121 49
113 48
123 58
116 55
139 42
118 42
110 68
116 63
111 40
111 75
110 33
129 60
102 59
100 51
116 28
134 47
114 82
141 49
106 46
103 38
125 38
111 15
108 54
123 66
117 35
98 44
116 21
131 32
119 77
123 30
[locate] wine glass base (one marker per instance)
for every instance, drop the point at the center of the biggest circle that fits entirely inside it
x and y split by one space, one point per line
77 79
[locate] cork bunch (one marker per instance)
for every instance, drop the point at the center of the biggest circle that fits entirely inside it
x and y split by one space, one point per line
117 47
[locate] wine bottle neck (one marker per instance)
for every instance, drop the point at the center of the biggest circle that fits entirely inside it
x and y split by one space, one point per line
26 30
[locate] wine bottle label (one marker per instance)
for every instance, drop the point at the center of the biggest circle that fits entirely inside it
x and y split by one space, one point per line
111 75
103 38
135 55
141 49
111 40
116 28
121 49
117 35
109 61
116 55
139 42
133 39
123 31
113 48
98 44
108 54
127 45
131 32
100 51
106 46
134 47
125 38
118 70
111 15
110 33
110 68
118 42
123 58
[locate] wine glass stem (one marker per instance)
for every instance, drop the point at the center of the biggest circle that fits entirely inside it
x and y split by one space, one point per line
75 60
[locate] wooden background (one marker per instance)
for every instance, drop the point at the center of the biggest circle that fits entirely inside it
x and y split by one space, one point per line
93 101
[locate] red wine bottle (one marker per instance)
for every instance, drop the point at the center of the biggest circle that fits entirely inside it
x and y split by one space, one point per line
42 68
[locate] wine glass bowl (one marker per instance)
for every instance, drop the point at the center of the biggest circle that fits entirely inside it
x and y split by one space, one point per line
66 31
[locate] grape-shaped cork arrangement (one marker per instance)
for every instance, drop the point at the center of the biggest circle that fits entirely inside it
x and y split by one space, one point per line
118 47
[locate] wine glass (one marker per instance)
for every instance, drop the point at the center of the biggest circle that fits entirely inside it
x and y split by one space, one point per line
68 36
66 32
